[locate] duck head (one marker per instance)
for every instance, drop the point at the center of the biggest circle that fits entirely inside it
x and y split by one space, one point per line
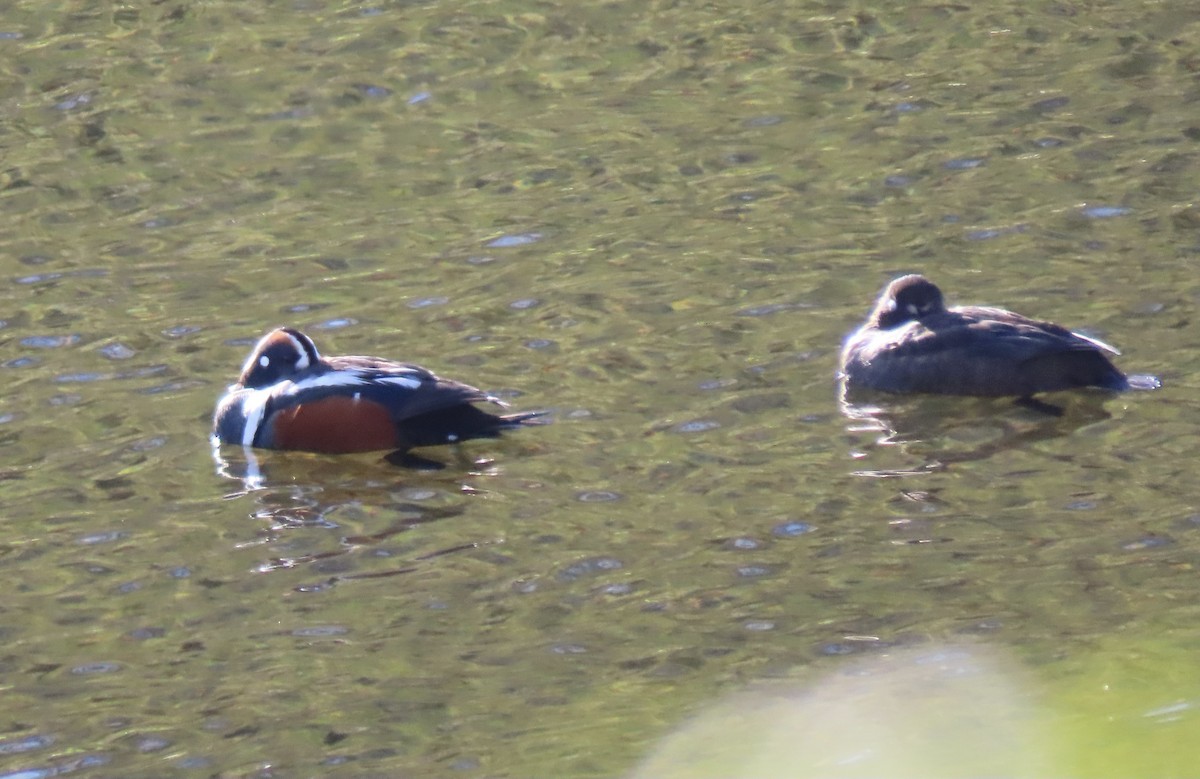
280 354
906 299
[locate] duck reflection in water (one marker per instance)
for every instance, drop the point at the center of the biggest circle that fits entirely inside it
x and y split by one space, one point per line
912 344
340 518
256 470
920 434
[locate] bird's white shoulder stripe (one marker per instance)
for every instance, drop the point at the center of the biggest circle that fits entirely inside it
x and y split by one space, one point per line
346 378
330 379
409 382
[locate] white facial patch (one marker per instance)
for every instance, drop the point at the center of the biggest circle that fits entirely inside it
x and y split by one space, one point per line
264 361
303 361
913 309
255 358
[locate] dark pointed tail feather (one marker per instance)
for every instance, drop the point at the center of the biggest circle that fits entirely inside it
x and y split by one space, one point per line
523 419
1099 372
1115 381
459 423
1072 369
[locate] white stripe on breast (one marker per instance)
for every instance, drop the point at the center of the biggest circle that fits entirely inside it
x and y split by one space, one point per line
254 405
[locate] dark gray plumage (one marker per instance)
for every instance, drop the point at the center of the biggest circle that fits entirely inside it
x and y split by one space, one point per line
912 343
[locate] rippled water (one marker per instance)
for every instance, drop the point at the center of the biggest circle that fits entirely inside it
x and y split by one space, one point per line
657 221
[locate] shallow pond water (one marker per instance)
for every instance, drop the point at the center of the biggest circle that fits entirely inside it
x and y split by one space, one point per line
657 221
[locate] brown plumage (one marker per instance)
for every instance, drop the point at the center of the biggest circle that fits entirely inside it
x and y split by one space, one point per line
912 343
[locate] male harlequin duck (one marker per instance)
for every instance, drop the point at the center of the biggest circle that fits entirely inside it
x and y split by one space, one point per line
290 397
913 343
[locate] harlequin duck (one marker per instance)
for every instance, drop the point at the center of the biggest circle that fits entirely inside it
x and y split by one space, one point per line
290 397
912 343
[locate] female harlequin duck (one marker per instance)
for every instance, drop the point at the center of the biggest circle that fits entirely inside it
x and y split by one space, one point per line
913 343
290 397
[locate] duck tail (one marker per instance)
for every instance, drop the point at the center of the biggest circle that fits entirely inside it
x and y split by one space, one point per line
524 419
1115 381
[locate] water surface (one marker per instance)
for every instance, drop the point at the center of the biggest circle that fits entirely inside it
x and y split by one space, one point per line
657 221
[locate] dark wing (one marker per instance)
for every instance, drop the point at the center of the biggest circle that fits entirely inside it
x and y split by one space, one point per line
1038 334
982 351
426 409
408 390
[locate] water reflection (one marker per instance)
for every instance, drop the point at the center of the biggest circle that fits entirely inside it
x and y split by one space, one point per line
357 504
244 468
934 431
686 196
250 468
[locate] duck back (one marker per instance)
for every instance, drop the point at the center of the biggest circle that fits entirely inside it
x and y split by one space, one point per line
980 351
